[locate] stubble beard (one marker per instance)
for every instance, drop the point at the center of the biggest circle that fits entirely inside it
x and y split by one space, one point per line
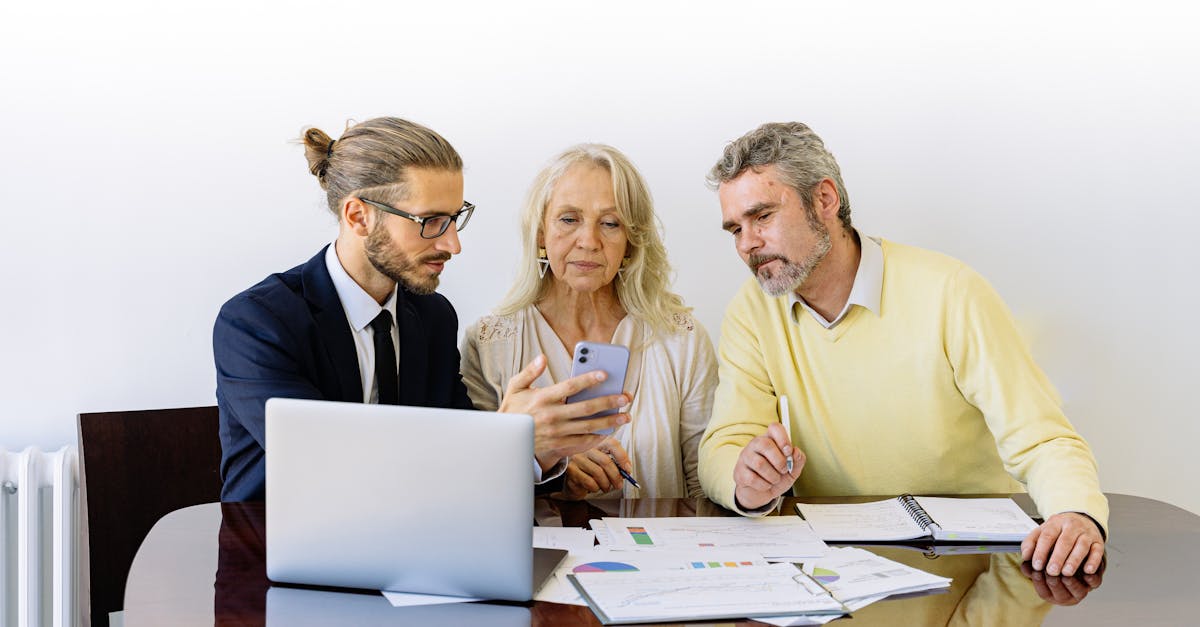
790 276
397 266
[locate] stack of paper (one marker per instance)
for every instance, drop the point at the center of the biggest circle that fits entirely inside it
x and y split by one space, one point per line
661 569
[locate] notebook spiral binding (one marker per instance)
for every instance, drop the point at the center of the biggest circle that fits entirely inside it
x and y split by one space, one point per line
915 510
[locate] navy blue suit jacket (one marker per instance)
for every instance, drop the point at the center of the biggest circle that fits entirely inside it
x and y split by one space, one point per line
288 337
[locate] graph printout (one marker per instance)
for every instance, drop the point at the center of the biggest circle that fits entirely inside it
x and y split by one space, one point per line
852 573
774 537
558 588
649 596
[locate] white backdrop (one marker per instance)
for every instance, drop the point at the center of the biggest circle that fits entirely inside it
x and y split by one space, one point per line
149 173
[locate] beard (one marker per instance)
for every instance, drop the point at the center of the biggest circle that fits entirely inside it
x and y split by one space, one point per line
790 275
399 267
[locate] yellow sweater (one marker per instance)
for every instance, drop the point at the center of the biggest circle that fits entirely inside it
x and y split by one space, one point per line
937 394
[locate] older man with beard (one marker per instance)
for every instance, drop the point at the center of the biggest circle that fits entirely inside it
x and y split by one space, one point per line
329 328
904 370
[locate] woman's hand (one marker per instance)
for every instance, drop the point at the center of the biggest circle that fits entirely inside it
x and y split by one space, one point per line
594 471
562 429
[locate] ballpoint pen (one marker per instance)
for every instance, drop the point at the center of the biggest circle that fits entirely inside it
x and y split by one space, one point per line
628 477
786 419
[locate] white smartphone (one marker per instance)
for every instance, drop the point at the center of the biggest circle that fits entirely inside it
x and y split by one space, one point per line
612 359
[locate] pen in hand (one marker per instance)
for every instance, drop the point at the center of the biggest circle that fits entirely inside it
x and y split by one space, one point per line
628 477
786 418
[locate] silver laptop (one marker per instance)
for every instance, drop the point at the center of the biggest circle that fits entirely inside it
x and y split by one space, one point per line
414 499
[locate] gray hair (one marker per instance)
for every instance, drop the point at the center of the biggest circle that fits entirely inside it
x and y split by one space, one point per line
644 288
797 153
372 157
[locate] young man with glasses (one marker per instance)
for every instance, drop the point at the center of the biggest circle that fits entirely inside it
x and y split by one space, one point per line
361 321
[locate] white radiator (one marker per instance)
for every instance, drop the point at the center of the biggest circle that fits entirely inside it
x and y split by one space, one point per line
39 531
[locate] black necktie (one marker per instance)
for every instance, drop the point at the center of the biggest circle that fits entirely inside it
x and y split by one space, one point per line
385 360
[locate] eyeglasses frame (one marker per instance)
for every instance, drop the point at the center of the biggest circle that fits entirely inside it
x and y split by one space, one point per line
467 208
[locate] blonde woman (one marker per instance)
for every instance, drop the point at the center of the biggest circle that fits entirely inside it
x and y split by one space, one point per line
594 268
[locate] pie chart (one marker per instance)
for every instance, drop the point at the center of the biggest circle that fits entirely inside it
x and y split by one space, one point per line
603 567
824 575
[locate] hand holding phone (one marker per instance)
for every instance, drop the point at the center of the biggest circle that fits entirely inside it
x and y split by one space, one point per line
613 359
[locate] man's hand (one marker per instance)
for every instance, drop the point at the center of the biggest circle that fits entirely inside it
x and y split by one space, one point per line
557 432
1063 543
1062 590
761 471
595 470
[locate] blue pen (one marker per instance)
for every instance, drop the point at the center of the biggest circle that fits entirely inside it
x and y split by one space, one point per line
628 477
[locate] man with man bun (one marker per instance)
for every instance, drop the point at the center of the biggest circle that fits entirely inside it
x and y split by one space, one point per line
361 321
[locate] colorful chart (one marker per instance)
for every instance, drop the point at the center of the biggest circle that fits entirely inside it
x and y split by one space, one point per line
720 564
603 567
824 575
640 536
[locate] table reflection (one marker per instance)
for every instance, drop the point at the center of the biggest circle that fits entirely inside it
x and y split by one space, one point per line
1063 590
288 606
991 585
241 585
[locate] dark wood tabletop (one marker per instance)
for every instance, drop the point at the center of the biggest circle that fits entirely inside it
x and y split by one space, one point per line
206 565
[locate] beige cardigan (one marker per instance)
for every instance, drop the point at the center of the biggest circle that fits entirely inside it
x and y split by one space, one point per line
671 376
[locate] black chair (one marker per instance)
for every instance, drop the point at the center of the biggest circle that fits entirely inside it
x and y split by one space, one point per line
136 467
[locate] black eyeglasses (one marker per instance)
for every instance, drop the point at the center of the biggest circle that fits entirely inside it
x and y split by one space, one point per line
432 227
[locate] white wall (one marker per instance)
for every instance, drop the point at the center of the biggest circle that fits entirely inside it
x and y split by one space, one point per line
148 173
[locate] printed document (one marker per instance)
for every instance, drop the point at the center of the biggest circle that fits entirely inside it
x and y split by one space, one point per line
558 589
651 596
776 538
851 573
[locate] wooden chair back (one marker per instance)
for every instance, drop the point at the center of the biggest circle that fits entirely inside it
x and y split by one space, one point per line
136 467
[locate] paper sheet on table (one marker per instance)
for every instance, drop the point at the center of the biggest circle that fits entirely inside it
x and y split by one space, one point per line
859 578
792 621
600 528
406 599
571 539
557 589
852 573
775 589
774 537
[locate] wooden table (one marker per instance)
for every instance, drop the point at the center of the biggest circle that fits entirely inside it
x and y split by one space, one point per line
205 565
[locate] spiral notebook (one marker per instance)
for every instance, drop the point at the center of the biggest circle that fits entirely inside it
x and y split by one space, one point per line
908 517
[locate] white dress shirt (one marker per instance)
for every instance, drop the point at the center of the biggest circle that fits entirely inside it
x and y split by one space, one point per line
360 310
866 292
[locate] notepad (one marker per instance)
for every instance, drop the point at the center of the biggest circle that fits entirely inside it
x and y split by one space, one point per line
919 518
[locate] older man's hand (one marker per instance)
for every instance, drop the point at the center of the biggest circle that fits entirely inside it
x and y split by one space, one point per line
761 474
1064 543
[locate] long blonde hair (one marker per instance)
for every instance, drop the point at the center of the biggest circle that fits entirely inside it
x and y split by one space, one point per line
643 287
